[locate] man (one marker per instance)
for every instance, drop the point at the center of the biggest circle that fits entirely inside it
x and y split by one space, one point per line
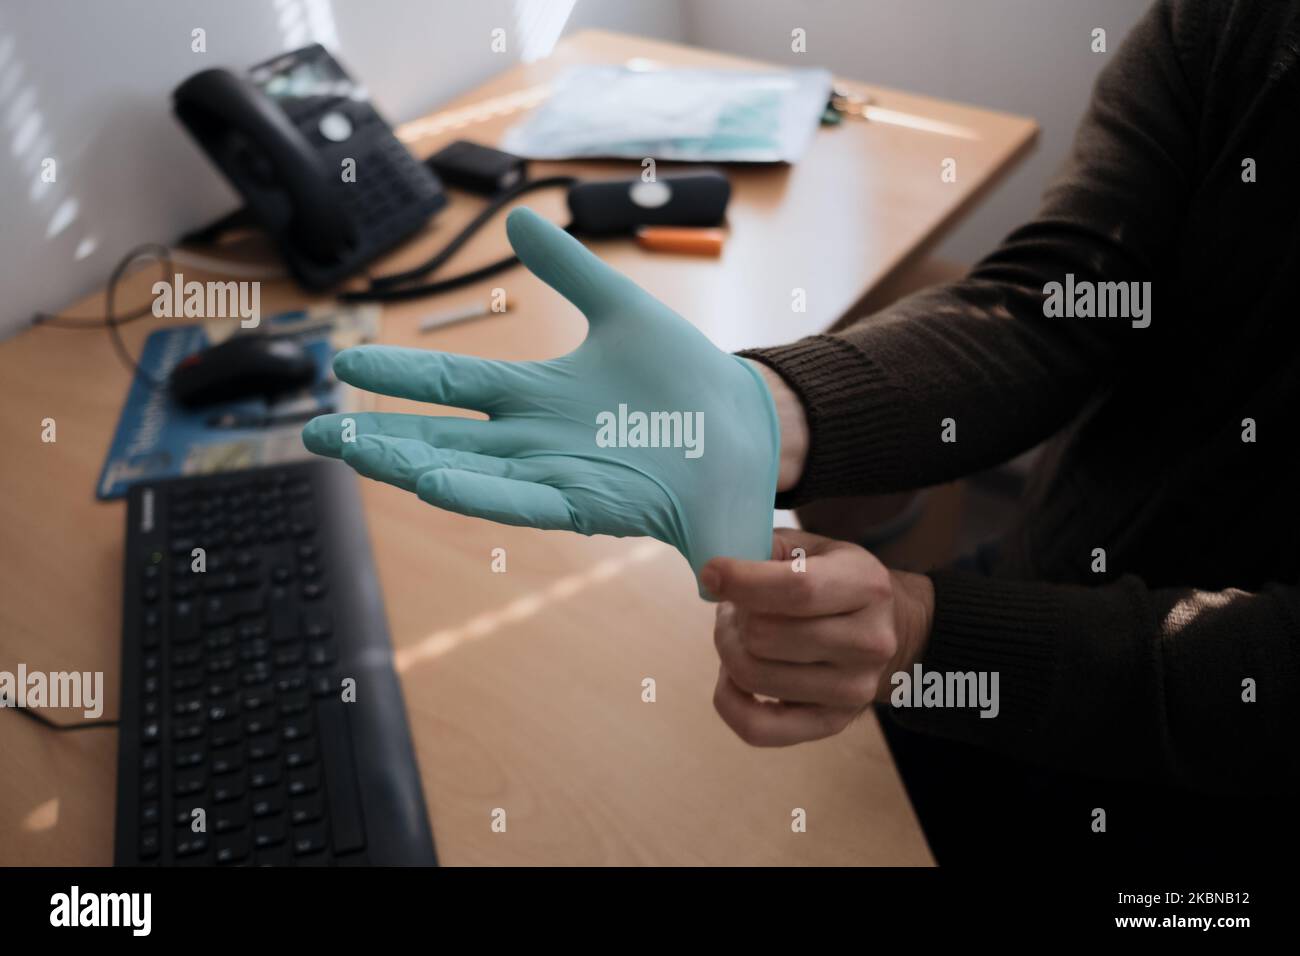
1143 617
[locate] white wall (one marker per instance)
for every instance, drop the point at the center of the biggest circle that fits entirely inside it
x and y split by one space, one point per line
88 83
1024 56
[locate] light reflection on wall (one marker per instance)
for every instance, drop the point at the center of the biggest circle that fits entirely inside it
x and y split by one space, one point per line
538 24
306 21
33 149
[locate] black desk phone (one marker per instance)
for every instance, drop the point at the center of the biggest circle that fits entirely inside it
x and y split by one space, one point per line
289 136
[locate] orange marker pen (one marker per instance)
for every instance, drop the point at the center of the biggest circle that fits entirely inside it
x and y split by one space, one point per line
685 239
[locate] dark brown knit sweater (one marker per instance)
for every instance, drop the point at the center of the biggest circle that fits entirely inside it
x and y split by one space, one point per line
1138 671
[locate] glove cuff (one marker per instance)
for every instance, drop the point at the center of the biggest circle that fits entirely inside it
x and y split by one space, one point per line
850 403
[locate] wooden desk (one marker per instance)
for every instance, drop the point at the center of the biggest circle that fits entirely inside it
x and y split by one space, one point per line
523 689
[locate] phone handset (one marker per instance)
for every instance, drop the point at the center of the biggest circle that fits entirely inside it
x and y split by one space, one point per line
270 162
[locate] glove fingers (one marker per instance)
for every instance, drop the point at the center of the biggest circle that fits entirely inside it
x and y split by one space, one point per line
568 267
403 461
442 378
324 435
505 500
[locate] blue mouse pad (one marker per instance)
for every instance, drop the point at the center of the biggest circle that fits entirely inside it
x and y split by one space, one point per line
158 438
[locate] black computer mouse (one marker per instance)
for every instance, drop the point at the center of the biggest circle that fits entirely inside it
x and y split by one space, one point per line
244 366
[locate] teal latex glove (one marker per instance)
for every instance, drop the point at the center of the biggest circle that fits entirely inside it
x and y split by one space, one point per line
551 454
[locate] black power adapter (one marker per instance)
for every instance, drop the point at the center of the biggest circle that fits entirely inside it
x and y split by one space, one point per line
477 169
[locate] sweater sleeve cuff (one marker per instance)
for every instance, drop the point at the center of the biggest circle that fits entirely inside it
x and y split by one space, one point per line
990 626
854 418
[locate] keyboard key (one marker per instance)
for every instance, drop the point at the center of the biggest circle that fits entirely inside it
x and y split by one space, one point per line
226 760
220 685
264 774
221 663
187 655
309 839
190 755
187 680
191 843
295 728
189 782
303 781
257 649
293 703
316 623
262 746
299 755
259 721
322 684
258 672
227 788
226 734
223 708
267 804
289 681
252 627
306 809
187 730
183 815
321 655
268 833
229 607
219 639
255 698
185 622
233 847
277 855
228 817
346 830
288 655
284 626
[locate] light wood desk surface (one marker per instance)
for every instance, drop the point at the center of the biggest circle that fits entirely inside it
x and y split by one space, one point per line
523 689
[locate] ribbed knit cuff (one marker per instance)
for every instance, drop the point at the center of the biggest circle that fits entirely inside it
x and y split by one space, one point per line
986 625
855 418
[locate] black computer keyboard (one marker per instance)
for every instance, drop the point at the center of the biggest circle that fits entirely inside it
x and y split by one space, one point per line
234 680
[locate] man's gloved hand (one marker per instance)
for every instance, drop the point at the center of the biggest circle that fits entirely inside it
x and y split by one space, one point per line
576 443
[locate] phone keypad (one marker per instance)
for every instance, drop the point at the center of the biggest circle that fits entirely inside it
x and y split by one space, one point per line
391 187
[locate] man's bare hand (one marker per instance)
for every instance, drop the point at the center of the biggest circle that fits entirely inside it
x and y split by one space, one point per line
808 639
